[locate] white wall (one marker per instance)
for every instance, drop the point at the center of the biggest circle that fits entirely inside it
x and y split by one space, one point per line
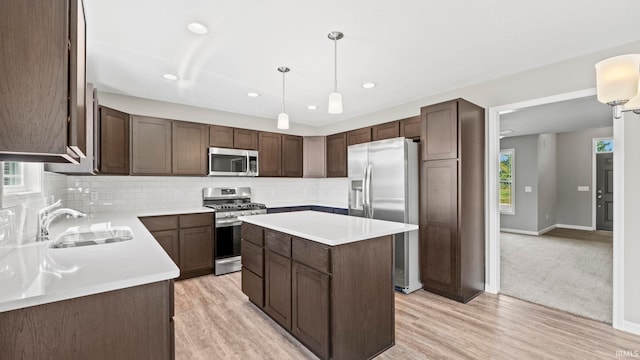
547 181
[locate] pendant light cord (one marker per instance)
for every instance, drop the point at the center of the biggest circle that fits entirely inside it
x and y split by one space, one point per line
335 65
283 91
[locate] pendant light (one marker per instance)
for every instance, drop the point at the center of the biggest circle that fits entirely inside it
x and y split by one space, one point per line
335 98
283 118
617 82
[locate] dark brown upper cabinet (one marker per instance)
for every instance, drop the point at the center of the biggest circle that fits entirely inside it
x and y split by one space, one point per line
359 136
410 128
233 138
388 130
114 141
245 139
270 150
189 147
220 136
440 131
292 155
150 146
337 155
43 77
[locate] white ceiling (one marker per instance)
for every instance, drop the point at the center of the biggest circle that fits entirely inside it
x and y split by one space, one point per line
563 116
411 48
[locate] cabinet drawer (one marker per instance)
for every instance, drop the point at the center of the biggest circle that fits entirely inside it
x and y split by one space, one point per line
252 233
253 287
311 254
159 223
195 220
277 242
252 257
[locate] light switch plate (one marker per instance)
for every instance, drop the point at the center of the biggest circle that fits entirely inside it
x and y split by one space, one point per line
528 189
583 188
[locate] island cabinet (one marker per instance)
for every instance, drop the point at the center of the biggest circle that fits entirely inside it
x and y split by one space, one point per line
323 295
43 56
452 200
187 238
130 323
337 155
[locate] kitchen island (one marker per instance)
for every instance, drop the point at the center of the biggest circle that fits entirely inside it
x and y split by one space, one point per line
325 278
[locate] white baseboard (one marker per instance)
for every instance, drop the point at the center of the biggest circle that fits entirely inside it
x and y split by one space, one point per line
630 327
546 230
516 231
575 227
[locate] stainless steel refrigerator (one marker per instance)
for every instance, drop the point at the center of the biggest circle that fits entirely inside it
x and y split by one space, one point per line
383 184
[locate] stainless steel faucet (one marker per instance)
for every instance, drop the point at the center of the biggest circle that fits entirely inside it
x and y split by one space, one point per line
48 214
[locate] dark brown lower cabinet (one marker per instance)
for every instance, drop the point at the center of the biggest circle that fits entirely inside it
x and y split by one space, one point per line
338 301
131 323
196 251
310 308
169 240
277 288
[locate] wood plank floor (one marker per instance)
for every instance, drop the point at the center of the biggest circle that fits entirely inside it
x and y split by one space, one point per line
595 235
214 320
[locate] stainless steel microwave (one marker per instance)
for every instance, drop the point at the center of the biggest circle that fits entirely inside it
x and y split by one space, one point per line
233 162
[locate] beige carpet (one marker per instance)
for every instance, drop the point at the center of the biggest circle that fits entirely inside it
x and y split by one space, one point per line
561 269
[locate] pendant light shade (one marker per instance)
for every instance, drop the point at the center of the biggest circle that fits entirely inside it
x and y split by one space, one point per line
617 82
283 118
335 98
634 103
335 103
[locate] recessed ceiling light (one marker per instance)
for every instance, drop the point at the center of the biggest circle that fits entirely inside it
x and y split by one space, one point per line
312 107
368 85
197 28
170 77
253 94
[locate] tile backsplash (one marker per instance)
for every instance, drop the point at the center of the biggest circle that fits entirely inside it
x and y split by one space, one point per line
116 193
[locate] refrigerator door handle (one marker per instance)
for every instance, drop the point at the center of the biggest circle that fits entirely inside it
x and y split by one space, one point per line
367 194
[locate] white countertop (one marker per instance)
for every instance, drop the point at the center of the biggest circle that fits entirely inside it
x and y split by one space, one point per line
34 273
326 228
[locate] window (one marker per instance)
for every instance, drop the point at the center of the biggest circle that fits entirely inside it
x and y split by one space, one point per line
13 176
604 146
507 168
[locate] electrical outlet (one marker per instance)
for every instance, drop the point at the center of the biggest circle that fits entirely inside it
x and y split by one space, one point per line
547 216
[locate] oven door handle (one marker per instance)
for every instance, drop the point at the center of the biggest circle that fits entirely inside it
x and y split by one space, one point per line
229 261
228 223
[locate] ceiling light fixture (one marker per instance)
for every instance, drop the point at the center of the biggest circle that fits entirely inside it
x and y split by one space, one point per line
197 28
253 94
618 82
170 77
335 98
283 118
368 85
312 107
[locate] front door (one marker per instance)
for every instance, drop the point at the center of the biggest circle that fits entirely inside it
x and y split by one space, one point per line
604 191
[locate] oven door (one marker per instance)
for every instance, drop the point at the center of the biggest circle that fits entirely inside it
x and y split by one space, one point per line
227 247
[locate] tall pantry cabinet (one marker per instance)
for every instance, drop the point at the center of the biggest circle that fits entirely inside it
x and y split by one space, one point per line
452 200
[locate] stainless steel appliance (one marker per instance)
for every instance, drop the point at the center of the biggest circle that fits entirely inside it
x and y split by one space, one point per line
229 203
233 162
383 184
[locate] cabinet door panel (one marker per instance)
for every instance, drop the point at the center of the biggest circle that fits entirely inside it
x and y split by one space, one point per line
190 143
253 287
77 79
292 155
440 131
385 131
310 308
150 146
252 257
359 136
278 288
245 139
314 153
114 142
221 136
337 155
439 224
168 239
410 127
196 249
270 149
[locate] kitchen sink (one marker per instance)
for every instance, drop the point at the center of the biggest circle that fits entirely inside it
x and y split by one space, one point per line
92 237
